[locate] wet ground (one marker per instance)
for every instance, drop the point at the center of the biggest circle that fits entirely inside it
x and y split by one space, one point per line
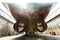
37 37
30 37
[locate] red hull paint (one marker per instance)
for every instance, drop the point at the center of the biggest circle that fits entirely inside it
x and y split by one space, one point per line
30 18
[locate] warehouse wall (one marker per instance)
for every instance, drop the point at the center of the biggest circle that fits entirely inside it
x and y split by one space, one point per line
53 26
6 27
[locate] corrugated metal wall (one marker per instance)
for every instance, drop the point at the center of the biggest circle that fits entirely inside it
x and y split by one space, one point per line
6 27
54 26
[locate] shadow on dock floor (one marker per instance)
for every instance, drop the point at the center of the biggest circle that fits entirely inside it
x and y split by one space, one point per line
30 37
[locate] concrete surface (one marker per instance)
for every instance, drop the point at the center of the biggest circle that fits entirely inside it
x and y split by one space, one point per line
31 37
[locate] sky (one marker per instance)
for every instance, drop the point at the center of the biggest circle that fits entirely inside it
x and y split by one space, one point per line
53 12
25 1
